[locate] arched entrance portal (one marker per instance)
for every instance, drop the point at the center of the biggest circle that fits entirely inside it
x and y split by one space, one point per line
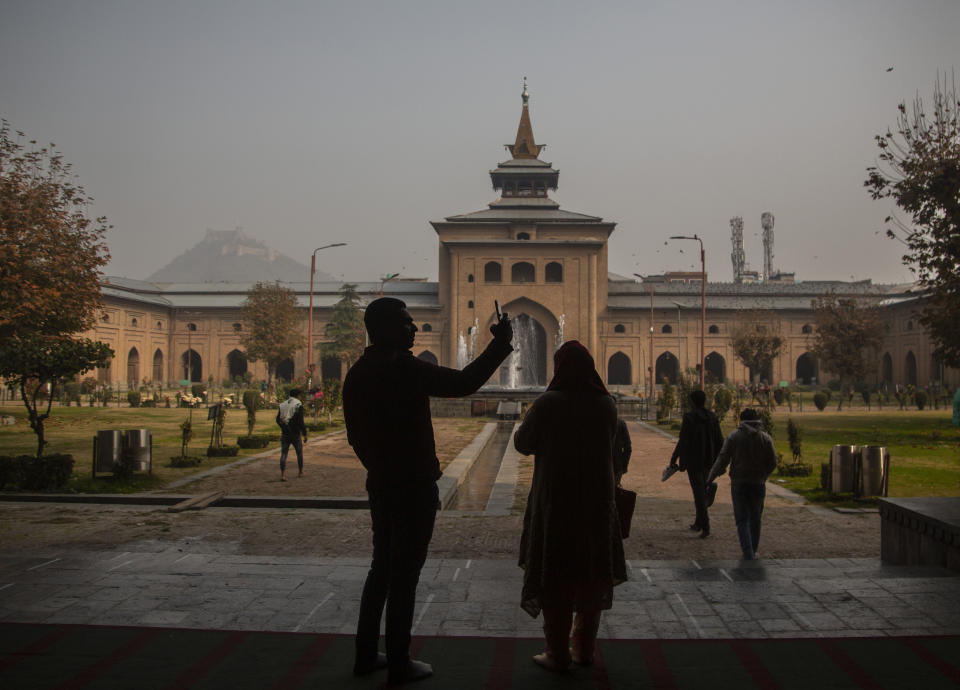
133 368
911 369
716 367
236 363
668 368
806 369
527 366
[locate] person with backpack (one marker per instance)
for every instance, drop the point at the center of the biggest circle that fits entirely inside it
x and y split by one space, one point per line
698 445
292 428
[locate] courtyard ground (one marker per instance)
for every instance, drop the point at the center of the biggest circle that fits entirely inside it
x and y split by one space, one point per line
664 509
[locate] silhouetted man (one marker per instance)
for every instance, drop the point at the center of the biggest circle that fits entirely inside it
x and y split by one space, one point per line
697 448
386 405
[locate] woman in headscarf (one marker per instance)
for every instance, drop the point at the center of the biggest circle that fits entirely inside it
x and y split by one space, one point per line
571 550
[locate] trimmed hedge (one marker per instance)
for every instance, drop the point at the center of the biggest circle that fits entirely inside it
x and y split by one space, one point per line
318 426
256 441
29 473
189 461
222 452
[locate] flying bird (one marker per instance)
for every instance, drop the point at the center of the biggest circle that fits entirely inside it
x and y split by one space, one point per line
889 69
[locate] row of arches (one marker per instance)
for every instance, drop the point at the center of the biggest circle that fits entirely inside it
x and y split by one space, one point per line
910 376
667 367
521 272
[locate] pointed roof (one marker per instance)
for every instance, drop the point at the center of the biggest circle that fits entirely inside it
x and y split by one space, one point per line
525 146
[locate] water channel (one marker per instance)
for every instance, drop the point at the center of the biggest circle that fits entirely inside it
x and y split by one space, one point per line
475 490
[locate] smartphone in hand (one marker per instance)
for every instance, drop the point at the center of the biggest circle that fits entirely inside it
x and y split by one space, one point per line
496 304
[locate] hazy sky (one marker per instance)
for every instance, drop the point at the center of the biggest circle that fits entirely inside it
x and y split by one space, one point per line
313 122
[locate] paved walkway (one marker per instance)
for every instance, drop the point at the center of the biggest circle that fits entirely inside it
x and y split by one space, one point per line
164 584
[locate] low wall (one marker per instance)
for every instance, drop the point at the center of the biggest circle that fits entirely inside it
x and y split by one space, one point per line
920 531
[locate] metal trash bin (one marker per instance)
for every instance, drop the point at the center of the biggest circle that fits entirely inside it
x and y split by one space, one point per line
873 471
107 450
138 443
843 469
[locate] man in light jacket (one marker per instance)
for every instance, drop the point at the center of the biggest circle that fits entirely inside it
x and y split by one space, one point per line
750 454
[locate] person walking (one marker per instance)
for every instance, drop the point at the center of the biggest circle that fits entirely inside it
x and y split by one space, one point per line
292 429
386 407
571 550
750 454
697 447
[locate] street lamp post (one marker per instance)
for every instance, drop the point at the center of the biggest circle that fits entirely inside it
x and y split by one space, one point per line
313 269
386 279
679 342
703 300
650 370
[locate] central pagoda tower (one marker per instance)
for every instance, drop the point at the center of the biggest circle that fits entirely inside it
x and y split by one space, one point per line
546 266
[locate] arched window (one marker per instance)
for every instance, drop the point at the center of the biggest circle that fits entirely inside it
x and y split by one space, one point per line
936 369
553 272
667 368
158 366
716 367
428 356
470 278
807 328
714 328
237 327
619 328
492 272
469 304
667 328
191 326
523 235
106 318
133 321
285 370
806 372
426 328
159 325
192 366
523 272
886 368
911 368
236 363
618 370
133 367
909 325
331 368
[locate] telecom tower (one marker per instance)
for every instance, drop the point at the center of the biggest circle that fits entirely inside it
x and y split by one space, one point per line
737 257
766 222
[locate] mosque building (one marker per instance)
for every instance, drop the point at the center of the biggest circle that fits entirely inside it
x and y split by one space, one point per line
547 267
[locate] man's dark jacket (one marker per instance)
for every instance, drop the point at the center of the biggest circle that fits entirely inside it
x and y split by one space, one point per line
700 440
386 406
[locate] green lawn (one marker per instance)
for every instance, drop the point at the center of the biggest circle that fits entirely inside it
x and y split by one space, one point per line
71 430
924 447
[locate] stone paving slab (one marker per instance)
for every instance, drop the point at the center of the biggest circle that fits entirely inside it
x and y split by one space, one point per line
173 585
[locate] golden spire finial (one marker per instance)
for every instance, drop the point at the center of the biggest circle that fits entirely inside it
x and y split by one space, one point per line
526 95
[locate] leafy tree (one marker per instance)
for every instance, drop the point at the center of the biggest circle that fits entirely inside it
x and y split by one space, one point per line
345 330
51 252
756 342
272 325
332 397
847 334
919 168
30 361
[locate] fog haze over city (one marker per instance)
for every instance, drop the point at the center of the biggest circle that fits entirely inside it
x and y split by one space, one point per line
307 123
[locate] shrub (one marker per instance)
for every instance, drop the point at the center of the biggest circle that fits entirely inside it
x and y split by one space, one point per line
11 471
920 398
251 401
27 472
866 397
668 398
185 461
766 416
71 392
222 451
133 397
795 438
794 469
316 426
197 389
820 399
148 403
722 402
778 396
258 441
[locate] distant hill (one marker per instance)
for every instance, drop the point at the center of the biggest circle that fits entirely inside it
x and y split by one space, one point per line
231 256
